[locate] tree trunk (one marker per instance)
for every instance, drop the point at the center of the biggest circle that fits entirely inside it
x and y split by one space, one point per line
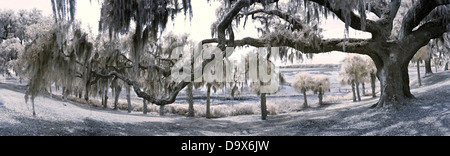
394 83
161 110
435 66
418 73
208 101
353 91
117 91
86 94
32 105
363 89
357 86
145 110
64 94
105 102
263 107
320 97
428 70
373 80
305 103
191 111
446 66
51 93
129 98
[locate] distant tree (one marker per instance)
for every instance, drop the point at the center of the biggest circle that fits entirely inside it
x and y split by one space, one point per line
352 71
321 84
345 79
372 72
13 28
26 18
302 83
440 49
10 50
8 23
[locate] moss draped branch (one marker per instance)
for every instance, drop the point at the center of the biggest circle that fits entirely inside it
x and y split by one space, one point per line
329 45
137 88
297 25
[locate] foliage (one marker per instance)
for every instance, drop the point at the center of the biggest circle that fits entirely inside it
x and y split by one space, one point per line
353 64
440 49
117 15
303 82
321 84
10 50
8 20
13 26
357 69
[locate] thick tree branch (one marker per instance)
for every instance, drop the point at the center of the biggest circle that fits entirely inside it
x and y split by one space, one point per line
228 19
230 16
355 23
392 11
377 9
352 45
416 14
161 70
422 36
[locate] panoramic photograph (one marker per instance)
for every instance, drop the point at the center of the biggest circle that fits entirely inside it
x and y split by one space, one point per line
224 68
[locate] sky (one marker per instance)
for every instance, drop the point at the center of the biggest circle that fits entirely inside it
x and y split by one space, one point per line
199 27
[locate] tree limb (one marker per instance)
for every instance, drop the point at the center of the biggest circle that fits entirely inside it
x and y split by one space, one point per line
297 25
352 45
422 36
228 19
137 89
416 14
355 22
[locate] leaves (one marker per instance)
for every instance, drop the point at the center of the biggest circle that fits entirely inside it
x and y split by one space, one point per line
10 50
303 82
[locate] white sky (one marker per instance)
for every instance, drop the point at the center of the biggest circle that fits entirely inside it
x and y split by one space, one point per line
199 27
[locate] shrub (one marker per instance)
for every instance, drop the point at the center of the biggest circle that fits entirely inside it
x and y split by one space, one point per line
243 109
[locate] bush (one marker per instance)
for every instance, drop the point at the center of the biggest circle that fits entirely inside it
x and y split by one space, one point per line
272 109
243 109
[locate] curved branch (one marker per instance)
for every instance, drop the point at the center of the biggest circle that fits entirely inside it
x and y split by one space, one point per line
416 14
422 36
297 25
228 19
142 94
355 23
230 16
